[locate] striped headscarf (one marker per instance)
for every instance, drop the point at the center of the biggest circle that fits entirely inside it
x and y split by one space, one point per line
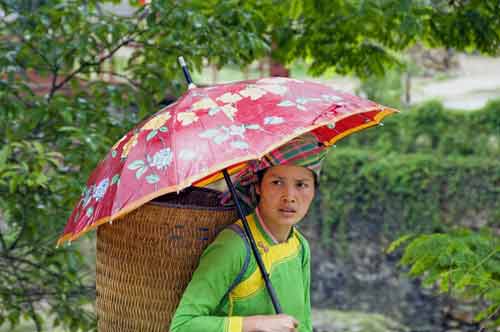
304 150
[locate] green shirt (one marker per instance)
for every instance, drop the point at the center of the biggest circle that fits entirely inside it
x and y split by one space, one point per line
218 296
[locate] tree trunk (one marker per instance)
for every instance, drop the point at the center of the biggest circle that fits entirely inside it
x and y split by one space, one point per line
275 67
278 69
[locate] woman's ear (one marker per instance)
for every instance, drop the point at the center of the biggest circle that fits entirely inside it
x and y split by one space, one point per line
257 189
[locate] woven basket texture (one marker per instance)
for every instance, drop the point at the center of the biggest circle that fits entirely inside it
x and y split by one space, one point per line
145 260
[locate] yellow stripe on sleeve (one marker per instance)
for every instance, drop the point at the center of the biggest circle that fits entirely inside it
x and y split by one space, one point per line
235 324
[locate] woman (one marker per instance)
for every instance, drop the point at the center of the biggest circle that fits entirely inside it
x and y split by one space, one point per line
227 291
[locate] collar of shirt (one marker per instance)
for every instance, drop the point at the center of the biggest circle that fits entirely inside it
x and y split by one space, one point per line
261 225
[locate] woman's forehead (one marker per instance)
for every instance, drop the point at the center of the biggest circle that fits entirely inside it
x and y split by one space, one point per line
290 172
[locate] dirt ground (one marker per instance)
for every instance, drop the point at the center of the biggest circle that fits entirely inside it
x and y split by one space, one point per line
471 86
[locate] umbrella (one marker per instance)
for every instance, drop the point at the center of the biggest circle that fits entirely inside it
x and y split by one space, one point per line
210 133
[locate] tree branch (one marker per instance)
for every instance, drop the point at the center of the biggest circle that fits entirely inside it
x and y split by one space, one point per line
36 295
134 84
32 264
96 63
127 41
3 224
34 49
21 232
2 242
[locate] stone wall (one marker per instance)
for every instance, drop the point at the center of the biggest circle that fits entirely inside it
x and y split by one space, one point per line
353 273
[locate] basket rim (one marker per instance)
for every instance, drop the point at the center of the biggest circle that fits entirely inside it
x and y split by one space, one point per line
191 206
194 206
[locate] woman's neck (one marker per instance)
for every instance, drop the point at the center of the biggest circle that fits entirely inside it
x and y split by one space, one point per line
278 233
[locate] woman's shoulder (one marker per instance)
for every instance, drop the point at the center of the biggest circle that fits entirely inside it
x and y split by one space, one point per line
230 239
304 243
302 239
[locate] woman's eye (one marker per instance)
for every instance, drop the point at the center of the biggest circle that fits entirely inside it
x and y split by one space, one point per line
302 185
277 182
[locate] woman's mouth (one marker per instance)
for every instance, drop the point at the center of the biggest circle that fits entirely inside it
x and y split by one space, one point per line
287 211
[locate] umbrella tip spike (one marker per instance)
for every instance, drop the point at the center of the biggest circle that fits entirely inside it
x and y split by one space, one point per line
111 222
381 124
181 60
185 70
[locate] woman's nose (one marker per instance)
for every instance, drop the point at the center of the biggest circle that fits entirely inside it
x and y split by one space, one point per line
289 195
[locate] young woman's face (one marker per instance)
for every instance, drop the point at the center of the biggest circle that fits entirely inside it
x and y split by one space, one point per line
286 192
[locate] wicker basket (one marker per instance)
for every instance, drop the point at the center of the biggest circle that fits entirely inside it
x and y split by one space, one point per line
145 261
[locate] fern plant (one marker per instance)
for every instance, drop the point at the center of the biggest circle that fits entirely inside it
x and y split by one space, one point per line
463 263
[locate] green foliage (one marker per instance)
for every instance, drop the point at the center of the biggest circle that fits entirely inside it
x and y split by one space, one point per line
364 37
465 25
386 90
50 140
407 192
461 262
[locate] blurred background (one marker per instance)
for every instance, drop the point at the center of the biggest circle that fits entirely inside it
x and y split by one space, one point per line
405 230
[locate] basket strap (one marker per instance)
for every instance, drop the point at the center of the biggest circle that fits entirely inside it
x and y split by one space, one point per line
244 268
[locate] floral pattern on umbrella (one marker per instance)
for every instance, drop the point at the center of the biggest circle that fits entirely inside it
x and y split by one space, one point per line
210 129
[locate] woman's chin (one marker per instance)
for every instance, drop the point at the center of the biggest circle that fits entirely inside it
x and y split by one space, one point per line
289 218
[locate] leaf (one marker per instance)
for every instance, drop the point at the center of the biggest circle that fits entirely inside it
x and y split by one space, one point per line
286 103
273 120
209 133
163 129
13 317
152 178
204 104
240 145
253 127
253 92
229 97
186 118
115 179
38 147
230 111
4 153
214 110
221 138
296 8
463 282
41 180
140 172
151 134
136 164
396 244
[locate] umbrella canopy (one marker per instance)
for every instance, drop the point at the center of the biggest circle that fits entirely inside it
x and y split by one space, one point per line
208 130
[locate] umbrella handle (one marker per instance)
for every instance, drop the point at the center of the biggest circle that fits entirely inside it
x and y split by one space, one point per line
258 258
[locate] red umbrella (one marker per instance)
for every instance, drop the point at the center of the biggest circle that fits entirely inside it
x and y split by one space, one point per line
210 129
